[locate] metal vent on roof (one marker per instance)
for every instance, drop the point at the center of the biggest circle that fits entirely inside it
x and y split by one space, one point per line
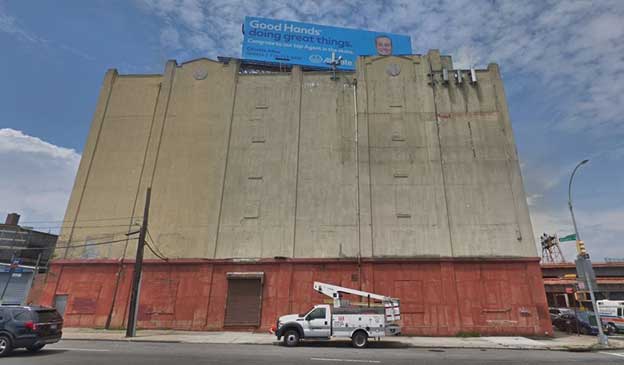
473 76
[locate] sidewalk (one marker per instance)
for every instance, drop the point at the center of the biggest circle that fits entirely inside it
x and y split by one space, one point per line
563 343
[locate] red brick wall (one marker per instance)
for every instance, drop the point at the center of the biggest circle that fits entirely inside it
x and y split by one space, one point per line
438 298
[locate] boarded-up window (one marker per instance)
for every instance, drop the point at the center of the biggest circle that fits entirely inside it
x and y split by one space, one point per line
83 298
244 299
162 294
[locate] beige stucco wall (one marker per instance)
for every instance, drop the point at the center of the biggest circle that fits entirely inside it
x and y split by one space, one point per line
264 165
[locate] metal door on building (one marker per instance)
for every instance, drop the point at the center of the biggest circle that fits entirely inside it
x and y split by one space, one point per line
17 290
244 299
60 303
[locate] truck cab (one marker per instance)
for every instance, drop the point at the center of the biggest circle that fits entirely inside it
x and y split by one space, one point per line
316 323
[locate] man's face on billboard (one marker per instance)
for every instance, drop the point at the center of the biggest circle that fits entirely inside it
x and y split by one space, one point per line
384 46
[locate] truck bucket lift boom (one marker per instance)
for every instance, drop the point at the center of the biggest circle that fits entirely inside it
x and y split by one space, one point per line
391 305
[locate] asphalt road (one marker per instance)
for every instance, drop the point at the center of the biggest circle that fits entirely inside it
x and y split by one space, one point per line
117 353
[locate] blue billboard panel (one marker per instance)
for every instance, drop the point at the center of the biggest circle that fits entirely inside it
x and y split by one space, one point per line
283 41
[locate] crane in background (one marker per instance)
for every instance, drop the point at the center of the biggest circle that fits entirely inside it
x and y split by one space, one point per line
551 251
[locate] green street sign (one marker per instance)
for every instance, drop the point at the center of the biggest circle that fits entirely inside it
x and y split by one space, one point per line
570 237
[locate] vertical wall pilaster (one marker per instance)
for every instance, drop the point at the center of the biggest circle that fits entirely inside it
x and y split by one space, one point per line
150 160
84 170
364 161
212 249
297 83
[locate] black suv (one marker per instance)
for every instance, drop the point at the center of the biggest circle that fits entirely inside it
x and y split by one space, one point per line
29 327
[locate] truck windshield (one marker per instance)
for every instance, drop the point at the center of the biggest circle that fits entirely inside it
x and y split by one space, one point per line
316 314
306 312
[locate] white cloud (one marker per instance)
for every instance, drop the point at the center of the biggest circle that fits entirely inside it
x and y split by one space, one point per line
41 176
533 198
9 24
541 177
16 141
467 57
191 13
161 7
170 38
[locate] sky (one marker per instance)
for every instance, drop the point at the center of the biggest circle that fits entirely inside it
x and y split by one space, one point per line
562 63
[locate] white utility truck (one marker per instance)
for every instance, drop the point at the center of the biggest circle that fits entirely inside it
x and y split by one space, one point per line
612 314
357 321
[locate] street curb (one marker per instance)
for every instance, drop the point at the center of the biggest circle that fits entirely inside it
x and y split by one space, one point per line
402 345
121 340
162 341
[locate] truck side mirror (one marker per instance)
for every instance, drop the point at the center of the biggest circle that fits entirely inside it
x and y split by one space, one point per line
307 318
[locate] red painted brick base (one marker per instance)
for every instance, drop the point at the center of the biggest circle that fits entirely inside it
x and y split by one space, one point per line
438 297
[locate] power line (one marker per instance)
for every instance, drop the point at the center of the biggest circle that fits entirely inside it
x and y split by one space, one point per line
15 243
70 243
82 220
70 226
98 243
72 246
154 252
150 235
155 247
154 243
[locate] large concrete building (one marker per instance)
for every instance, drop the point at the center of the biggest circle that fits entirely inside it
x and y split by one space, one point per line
395 179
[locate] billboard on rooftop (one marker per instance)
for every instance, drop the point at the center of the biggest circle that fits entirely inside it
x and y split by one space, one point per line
295 43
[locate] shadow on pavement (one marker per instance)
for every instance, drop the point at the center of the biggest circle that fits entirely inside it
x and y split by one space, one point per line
22 353
347 344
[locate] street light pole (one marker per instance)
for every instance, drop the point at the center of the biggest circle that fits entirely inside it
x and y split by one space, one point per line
584 256
578 238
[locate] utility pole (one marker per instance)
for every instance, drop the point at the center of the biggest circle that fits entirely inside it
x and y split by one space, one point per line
138 267
583 264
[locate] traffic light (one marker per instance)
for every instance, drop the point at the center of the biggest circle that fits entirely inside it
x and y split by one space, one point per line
582 296
580 248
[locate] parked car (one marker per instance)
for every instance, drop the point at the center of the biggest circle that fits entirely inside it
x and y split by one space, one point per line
28 327
556 312
579 322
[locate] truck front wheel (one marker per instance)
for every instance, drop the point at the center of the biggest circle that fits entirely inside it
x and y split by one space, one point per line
359 340
291 338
